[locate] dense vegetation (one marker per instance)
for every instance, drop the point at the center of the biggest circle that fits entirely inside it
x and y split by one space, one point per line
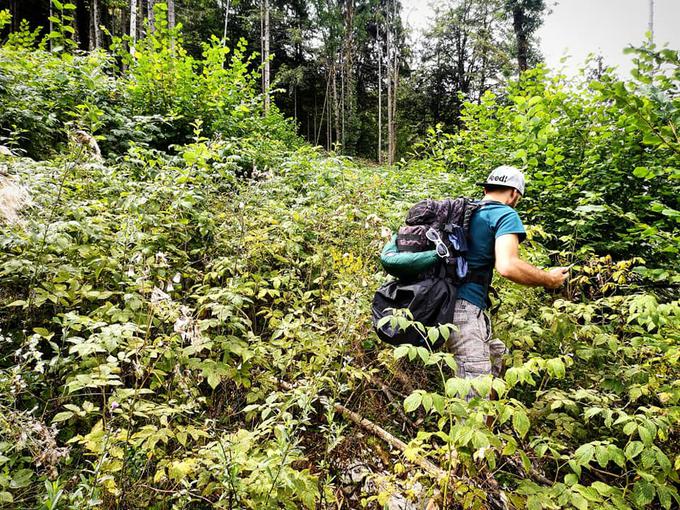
179 317
345 70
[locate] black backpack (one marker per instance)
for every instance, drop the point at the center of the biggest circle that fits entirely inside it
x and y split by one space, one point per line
431 294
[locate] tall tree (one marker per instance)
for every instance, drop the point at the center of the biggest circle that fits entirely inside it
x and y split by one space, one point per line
266 36
171 14
466 53
527 17
133 25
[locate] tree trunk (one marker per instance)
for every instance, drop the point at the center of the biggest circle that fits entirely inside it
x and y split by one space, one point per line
171 14
51 27
336 109
519 26
349 93
380 55
133 26
226 21
390 89
343 102
151 15
395 90
265 53
94 14
14 12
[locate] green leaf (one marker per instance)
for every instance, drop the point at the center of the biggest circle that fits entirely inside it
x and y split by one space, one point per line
584 454
665 494
6 497
570 479
556 368
602 456
579 501
412 402
629 428
439 403
21 478
424 354
520 422
643 493
427 402
642 172
63 416
432 334
633 449
645 435
385 320
663 460
401 351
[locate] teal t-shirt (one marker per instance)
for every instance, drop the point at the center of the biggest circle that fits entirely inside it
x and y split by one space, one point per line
491 221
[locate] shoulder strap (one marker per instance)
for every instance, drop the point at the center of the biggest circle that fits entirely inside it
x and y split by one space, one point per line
470 208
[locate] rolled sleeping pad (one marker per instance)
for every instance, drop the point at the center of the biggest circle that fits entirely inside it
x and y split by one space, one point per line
404 264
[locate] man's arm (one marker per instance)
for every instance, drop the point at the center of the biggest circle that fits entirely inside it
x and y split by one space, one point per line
510 266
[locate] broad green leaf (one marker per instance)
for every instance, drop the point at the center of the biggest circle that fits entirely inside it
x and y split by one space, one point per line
520 422
578 501
63 416
643 493
21 478
412 402
633 449
645 435
401 351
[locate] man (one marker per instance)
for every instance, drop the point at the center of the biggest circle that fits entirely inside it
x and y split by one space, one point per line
495 233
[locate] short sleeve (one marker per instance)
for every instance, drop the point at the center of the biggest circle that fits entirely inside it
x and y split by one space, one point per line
509 222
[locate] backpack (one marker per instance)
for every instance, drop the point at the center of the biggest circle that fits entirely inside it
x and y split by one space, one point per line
427 258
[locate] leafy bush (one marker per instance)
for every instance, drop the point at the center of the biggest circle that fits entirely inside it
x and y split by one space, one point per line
154 97
601 156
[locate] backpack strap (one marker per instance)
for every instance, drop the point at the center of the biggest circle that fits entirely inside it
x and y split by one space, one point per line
470 209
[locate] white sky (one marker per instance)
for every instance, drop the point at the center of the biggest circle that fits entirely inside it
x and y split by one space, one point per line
576 28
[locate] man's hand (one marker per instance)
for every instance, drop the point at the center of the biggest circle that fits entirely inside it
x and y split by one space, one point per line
510 266
556 277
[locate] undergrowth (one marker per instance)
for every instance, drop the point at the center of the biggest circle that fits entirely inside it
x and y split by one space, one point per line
179 318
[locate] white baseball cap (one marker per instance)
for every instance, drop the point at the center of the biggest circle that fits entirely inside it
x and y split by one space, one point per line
506 175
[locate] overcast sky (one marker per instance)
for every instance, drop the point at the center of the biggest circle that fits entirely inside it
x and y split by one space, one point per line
579 27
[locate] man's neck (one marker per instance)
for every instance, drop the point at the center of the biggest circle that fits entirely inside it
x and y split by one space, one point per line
493 197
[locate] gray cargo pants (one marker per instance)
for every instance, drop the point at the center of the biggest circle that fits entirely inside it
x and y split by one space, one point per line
476 353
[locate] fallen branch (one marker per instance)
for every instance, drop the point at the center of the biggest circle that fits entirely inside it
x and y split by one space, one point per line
434 470
388 394
374 429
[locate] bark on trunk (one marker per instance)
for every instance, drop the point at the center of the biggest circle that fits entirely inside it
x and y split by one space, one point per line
151 15
265 54
389 95
133 26
171 14
518 24
226 21
380 51
393 127
336 109
94 15
14 23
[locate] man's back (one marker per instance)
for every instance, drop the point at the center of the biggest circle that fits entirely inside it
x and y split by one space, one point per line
492 220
